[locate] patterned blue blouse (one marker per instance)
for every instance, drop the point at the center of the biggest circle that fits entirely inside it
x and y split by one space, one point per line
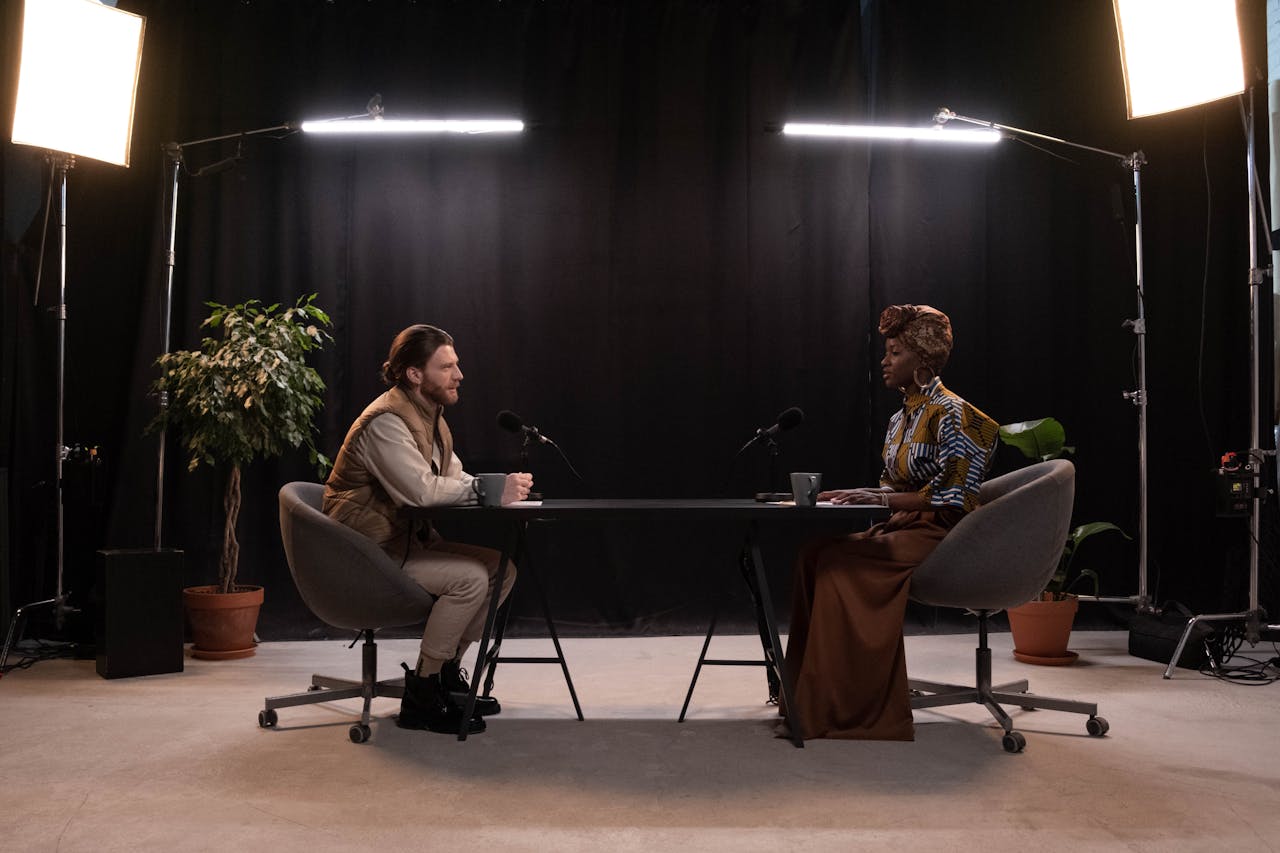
938 445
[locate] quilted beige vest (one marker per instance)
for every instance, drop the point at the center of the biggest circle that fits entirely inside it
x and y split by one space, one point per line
353 496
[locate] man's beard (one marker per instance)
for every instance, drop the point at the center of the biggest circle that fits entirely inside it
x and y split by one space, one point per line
437 394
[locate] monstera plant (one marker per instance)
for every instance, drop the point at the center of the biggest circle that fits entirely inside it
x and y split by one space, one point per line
246 394
1042 440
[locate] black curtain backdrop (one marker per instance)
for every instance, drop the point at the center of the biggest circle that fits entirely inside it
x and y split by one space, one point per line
647 273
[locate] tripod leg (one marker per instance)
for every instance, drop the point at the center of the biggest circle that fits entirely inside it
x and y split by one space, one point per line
15 628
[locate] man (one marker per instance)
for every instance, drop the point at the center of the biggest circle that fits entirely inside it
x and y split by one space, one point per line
399 452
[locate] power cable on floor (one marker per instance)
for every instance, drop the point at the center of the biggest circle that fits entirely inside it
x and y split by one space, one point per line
35 651
1253 672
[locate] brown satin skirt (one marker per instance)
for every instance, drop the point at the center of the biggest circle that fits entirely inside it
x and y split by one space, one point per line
845 652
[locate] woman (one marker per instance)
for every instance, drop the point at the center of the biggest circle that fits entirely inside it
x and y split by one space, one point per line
845 652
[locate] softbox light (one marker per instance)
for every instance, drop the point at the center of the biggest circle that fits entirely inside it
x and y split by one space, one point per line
78 78
1178 53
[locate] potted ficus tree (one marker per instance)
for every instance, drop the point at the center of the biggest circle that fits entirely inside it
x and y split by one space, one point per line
246 394
1042 628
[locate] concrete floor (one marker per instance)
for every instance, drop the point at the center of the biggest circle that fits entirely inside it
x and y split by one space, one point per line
178 763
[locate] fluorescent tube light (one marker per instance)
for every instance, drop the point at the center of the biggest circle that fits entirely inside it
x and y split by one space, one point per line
871 131
372 126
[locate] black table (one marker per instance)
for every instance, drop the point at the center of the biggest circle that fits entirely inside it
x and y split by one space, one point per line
516 518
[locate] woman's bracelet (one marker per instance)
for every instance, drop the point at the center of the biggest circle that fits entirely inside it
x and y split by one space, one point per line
884 499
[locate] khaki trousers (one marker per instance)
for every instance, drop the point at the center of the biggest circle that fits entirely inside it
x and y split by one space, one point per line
461 577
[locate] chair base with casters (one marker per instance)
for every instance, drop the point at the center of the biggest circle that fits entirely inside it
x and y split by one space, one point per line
998 556
326 689
933 694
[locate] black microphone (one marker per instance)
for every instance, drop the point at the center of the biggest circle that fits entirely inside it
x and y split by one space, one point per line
511 422
792 417
787 419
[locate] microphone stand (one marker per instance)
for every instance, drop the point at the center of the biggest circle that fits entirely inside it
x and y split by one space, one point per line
772 444
524 463
527 435
524 453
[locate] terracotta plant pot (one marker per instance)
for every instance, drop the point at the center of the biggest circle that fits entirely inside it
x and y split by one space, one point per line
1041 630
222 625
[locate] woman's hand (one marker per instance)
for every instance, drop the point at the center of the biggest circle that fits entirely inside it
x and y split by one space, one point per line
854 496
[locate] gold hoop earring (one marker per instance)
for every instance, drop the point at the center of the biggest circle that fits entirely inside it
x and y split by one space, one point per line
922 385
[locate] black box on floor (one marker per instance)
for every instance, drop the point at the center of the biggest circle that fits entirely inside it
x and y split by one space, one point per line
139 625
1153 637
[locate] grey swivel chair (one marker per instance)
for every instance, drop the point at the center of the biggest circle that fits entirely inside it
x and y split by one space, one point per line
349 582
1001 555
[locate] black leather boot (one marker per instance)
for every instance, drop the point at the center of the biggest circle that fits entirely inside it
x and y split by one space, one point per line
427 705
452 676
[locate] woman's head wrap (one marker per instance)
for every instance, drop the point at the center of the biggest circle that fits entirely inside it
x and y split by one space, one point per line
923 330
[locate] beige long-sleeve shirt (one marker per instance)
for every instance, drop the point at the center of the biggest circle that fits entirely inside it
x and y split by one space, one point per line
390 453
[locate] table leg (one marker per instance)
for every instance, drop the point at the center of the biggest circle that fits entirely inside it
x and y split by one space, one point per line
762 624
490 666
469 707
697 670
555 638
489 663
774 652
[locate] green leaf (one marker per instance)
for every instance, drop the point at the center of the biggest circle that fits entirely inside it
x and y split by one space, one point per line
1084 531
1041 439
1063 579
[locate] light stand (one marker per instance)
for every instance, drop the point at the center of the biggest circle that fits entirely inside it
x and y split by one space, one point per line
1133 162
1176 55
173 152
77 84
1252 617
62 163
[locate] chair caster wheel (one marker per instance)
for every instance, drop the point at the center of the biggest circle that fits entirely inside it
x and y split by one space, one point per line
1013 742
1096 726
267 719
359 733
